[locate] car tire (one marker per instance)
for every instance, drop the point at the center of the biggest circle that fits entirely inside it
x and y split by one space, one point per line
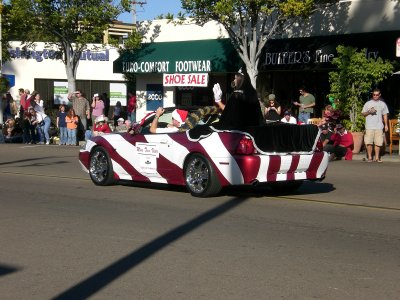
100 167
200 177
286 186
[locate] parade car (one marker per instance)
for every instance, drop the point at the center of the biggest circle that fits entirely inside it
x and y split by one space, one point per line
280 155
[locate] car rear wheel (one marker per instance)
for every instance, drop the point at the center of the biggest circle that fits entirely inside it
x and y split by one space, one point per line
100 167
200 177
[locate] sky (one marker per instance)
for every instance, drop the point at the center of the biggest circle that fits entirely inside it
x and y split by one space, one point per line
152 9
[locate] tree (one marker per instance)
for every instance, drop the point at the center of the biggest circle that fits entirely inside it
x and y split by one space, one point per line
353 79
251 23
69 25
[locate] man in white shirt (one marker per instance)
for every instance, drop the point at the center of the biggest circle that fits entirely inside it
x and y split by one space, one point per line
287 118
376 113
178 118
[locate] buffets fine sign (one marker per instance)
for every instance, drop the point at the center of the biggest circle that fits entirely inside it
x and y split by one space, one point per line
189 79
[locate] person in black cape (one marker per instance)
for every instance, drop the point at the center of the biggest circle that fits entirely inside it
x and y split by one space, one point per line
242 108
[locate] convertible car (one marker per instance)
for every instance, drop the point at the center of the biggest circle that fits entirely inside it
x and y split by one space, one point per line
206 159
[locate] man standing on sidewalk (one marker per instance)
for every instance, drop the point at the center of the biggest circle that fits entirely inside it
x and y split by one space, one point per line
306 105
375 112
82 109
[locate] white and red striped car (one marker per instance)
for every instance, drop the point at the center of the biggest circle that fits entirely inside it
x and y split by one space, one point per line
204 165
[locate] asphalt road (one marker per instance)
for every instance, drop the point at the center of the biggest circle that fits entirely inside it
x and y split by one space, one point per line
64 238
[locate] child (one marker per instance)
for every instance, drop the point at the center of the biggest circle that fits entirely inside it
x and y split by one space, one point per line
62 125
72 126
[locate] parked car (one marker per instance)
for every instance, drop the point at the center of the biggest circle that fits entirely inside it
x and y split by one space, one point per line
207 163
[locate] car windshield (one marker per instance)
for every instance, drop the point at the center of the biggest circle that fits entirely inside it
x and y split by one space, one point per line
197 116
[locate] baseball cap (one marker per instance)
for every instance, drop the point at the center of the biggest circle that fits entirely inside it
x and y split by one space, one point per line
339 126
120 120
287 113
324 127
271 97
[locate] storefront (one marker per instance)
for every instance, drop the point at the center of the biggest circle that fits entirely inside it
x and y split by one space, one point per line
39 67
179 73
288 64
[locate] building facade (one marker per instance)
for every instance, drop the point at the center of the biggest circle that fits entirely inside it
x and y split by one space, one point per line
300 56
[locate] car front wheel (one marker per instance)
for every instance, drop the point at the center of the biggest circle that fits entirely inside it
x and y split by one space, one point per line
100 167
200 177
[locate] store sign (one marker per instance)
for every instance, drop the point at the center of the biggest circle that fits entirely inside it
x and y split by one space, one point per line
118 93
154 96
61 92
318 56
191 79
40 55
398 47
179 66
298 57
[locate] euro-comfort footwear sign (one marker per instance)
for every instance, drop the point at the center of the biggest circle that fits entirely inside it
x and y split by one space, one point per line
167 66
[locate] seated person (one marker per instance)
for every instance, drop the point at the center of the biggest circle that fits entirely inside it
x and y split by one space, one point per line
12 132
342 144
325 136
272 110
121 127
288 118
100 127
178 119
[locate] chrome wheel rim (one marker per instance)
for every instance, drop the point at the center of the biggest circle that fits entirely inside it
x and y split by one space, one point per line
197 176
99 166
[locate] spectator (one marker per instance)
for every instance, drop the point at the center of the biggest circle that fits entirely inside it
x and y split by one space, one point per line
272 109
81 107
178 118
10 109
98 106
72 121
62 125
42 122
39 103
288 118
131 109
100 127
342 144
330 116
27 137
121 127
31 99
117 112
306 105
106 100
375 112
12 132
325 136
23 101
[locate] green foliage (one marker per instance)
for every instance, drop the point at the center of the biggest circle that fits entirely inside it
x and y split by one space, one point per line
251 23
353 79
67 24
4 85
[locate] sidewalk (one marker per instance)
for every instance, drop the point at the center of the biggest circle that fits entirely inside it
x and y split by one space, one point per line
395 157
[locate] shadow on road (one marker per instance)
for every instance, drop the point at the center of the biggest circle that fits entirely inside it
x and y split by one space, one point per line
99 280
5 270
